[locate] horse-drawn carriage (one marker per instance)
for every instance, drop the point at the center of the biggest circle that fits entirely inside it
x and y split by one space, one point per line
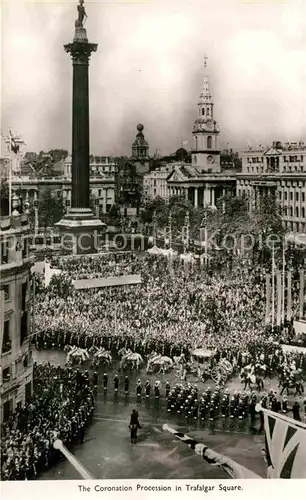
219 373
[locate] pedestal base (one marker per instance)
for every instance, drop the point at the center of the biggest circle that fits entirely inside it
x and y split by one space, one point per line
80 231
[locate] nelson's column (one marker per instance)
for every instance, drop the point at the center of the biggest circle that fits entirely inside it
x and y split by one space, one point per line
79 228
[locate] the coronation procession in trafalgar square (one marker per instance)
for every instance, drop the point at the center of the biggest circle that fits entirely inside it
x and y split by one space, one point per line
153 303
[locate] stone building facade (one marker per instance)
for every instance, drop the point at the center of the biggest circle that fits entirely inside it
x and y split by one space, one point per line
280 173
16 385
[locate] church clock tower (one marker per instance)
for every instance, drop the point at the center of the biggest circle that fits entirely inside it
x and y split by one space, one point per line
206 153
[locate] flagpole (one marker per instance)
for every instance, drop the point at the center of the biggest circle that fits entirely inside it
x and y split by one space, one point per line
233 469
284 285
10 185
273 286
293 423
58 445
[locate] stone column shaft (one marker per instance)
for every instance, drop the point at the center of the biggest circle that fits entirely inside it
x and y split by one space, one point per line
80 136
195 197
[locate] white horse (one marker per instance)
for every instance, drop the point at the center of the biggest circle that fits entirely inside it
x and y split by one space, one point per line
160 364
132 360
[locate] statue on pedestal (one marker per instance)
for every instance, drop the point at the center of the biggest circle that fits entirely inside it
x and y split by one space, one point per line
81 15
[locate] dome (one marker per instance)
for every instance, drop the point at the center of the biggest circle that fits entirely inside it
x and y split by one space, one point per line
140 127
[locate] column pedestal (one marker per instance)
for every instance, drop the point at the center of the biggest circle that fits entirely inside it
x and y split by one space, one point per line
80 231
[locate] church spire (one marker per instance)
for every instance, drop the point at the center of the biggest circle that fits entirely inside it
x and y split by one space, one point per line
205 98
206 130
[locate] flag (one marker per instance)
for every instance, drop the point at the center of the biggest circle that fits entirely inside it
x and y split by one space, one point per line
14 146
285 446
234 469
15 143
184 143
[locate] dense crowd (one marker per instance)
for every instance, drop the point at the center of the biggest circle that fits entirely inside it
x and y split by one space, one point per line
28 436
102 266
169 311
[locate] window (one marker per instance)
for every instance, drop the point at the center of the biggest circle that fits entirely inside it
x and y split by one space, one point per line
291 195
286 211
4 252
280 195
303 196
24 327
207 111
28 392
6 289
303 212
195 159
285 195
203 111
24 289
296 196
25 247
297 212
196 142
291 212
6 374
209 141
6 344
154 182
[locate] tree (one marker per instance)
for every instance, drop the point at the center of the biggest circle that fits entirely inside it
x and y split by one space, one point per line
50 209
157 205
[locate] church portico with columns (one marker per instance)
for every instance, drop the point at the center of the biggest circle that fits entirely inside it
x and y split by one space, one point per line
201 189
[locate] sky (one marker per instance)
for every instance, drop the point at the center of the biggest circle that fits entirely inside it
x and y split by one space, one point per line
149 68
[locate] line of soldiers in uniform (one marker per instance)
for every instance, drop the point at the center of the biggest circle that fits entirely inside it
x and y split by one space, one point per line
211 405
50 339
145 389
214 404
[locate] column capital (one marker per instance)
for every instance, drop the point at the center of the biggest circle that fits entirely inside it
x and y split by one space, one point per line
80 51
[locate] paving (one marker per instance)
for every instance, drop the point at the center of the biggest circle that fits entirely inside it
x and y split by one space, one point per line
108 454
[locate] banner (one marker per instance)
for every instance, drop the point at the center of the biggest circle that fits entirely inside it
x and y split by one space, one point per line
285 441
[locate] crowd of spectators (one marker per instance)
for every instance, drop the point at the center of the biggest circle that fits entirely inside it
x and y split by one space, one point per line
52 413
169 312
102 266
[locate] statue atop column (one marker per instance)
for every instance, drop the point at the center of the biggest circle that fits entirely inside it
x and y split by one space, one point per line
81 14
